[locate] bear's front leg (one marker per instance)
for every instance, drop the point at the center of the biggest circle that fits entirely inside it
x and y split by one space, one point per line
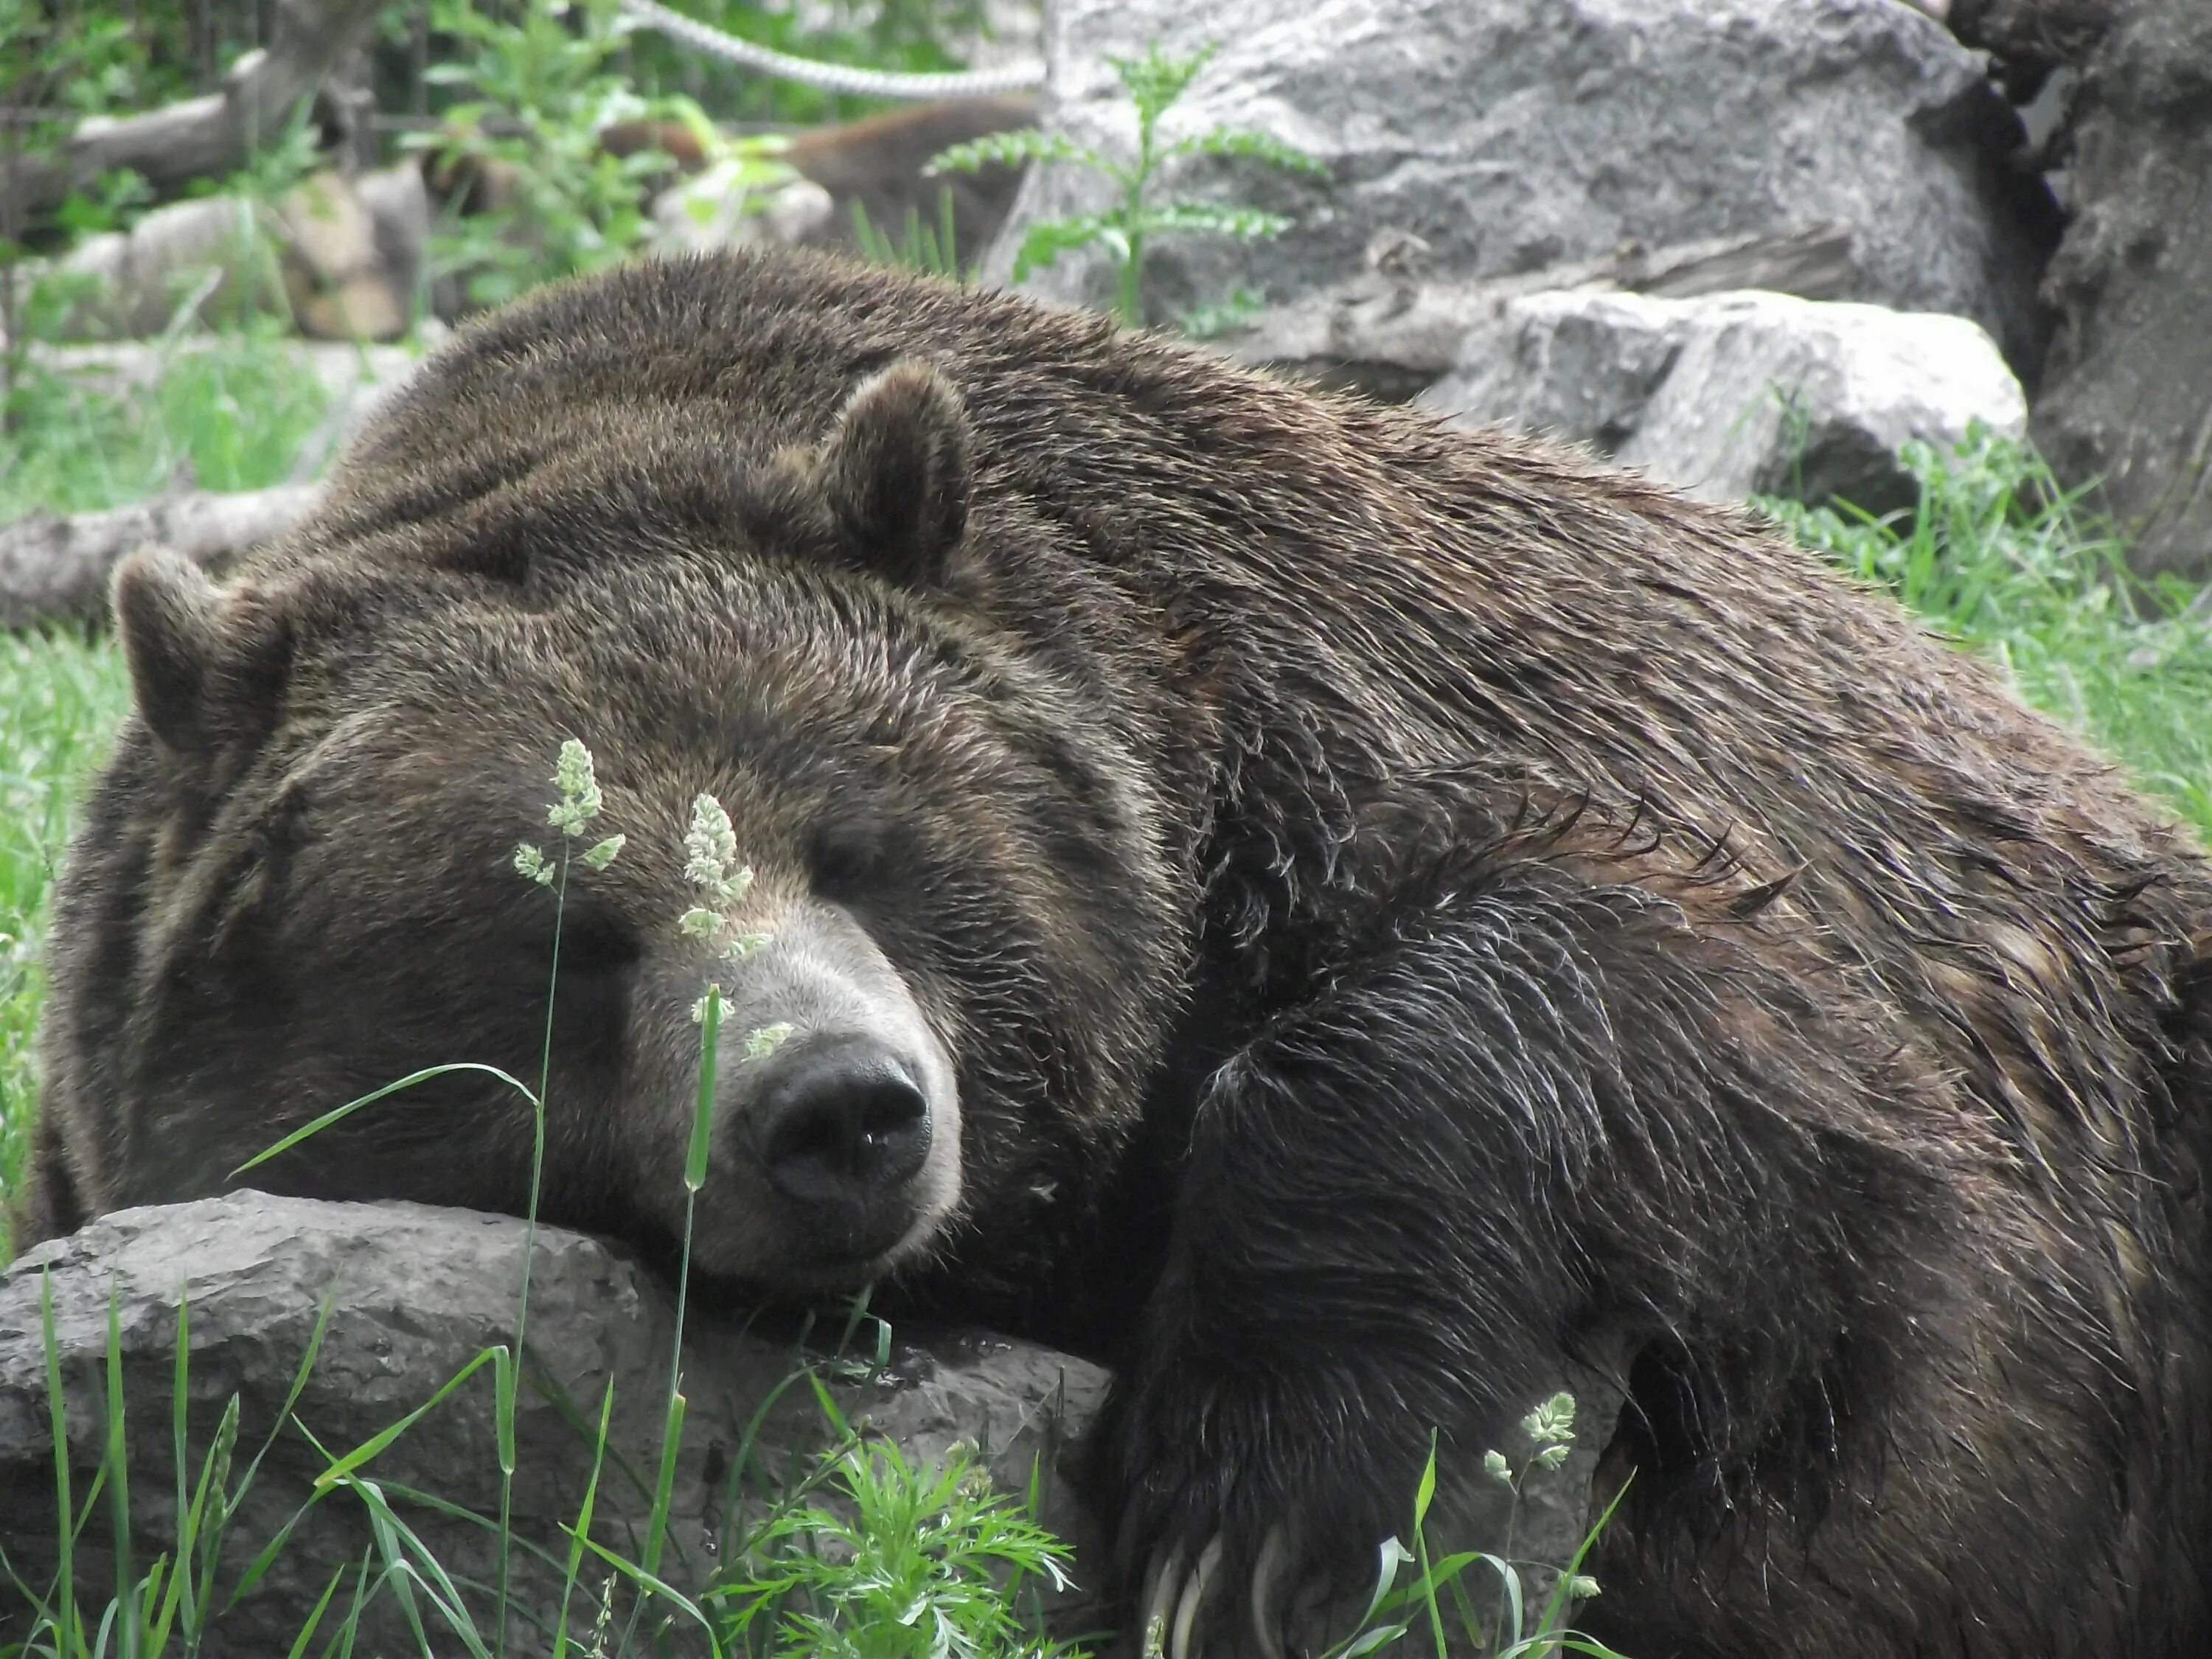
1528 1122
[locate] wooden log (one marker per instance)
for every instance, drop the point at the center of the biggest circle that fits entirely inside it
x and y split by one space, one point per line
56 567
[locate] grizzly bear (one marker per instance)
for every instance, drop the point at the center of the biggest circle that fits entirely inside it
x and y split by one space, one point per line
1348 919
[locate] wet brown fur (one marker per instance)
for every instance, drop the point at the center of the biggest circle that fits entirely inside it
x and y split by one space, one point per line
1413 908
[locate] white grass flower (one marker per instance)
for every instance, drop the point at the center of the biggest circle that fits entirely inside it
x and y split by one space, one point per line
532 864
710 861
579 784
699 1008
605 853
747 945
765 1040
710 848
1582 1587
1495 1466
1554 1420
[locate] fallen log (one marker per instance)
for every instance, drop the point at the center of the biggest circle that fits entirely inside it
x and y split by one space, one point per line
55 567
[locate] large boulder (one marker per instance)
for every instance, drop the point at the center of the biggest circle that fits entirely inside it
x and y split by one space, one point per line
413 1295
1735 394
2127 395
1522 134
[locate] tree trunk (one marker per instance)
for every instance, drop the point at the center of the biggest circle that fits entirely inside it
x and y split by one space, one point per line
199 138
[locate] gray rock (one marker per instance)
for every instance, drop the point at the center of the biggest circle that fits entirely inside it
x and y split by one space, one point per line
414 1294
2127 395
398 206
2035 35
1391 338
1738 393
1523 134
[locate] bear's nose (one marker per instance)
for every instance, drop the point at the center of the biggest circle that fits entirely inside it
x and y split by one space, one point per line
843 1123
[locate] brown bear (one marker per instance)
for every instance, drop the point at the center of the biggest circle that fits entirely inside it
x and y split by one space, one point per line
1348 919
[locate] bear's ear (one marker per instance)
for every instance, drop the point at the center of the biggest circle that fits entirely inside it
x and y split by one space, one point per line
894 473
190 653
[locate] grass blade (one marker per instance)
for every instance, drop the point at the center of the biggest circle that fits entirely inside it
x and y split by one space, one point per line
180 1579
118 1478
664 1488
702 1114
655 1587
583 1527
315 1615
345 1467
66 1636
338 1113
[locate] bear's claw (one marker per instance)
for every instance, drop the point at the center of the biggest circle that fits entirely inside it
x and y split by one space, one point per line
1175 1602
1192 1603
1163 1588
1267 1600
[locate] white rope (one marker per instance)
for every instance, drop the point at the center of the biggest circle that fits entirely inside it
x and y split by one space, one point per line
831 77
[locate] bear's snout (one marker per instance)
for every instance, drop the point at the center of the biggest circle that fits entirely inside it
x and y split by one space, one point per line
844 1124
836 1146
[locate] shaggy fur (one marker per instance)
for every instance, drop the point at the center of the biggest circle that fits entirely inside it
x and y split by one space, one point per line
1409 912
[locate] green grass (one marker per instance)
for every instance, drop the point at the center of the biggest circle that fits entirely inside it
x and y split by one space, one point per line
1998 557
230 414
60 696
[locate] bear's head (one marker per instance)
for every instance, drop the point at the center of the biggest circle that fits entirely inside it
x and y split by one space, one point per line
298 884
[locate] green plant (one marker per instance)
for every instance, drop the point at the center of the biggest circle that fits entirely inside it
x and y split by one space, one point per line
65 62
1153 82
932 249
909 1562
230 412
540 94
544 85
53 71
1400 1606
1208 322
177 1597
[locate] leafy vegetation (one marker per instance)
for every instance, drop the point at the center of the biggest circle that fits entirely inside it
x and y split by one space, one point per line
908 1561
542 90
222 412
1124 230
1424 1598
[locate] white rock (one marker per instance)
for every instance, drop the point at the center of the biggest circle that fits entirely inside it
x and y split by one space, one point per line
1734 394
